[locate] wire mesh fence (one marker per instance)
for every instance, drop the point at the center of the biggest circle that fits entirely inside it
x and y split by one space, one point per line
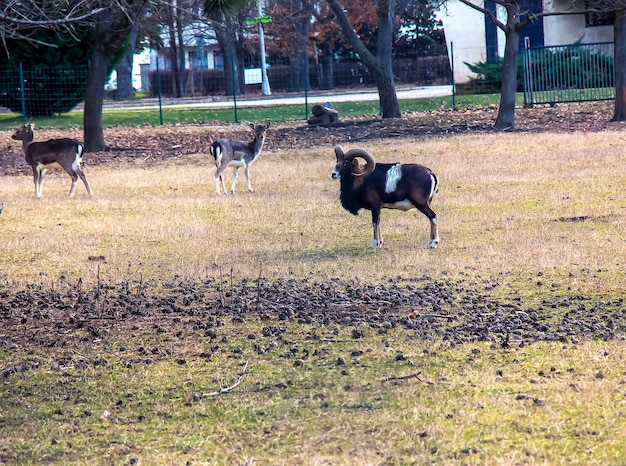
545 75
41 90
45 91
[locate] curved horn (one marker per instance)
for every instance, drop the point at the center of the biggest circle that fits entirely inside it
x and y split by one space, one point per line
370 164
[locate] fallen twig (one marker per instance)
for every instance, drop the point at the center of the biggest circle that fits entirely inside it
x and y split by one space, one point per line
199 396
406 377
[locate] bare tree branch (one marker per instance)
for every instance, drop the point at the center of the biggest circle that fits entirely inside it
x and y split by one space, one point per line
19 18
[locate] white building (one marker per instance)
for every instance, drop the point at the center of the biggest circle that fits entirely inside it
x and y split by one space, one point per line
473 38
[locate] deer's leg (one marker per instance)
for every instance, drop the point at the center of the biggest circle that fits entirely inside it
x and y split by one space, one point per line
434 227
73 188
248 178
38 178
80 173
232 187
218 178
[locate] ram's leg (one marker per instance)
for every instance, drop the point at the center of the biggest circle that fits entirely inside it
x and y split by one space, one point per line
73 187
378 239
82 176
434 227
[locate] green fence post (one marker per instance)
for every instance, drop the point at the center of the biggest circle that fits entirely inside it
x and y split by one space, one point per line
306 86
452 70
22 96
159 91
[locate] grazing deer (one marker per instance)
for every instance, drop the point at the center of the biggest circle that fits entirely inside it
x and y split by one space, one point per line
237 154
65 153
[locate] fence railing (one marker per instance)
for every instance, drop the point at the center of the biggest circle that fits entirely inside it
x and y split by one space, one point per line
44 91
568 73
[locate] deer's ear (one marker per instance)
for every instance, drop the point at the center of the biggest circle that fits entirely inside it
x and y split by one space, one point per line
269 123
252 125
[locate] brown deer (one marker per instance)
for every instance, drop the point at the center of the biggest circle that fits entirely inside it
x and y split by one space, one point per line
237 154
64 153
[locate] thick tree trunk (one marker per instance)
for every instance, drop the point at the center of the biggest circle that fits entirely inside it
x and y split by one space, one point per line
124 68
506 112
112 29
92 114
619 38
176 86
298 52
379 65
227 43
384 44
326 72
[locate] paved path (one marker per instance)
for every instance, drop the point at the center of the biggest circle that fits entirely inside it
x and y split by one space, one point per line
313 98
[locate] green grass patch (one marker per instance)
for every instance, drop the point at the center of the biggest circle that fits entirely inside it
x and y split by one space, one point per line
198 115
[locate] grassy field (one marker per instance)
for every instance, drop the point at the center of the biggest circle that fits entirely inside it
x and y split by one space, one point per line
524 218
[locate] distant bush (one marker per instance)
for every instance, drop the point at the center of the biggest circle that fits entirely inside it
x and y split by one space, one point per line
488 78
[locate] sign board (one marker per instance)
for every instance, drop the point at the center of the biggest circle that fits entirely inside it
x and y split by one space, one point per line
252 76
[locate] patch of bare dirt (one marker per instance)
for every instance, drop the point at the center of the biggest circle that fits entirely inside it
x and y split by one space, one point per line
454 311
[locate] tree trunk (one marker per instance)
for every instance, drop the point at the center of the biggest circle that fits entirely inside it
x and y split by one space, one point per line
227 43
379 65
124 69
384 44
506 112
181 56
619 38
94 95
327 77
176 86
111 30
298 52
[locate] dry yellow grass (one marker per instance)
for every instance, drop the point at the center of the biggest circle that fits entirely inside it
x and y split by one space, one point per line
502 205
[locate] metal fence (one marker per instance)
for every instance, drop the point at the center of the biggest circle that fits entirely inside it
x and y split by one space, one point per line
41 90
568 73
37 91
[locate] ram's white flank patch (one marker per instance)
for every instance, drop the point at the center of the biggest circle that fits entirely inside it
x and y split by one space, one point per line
433 185
393 176
404 205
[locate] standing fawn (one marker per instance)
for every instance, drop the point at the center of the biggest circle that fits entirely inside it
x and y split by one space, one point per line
65 153
237 154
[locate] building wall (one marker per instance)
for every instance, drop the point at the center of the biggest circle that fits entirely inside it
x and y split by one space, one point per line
464 28
569 29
